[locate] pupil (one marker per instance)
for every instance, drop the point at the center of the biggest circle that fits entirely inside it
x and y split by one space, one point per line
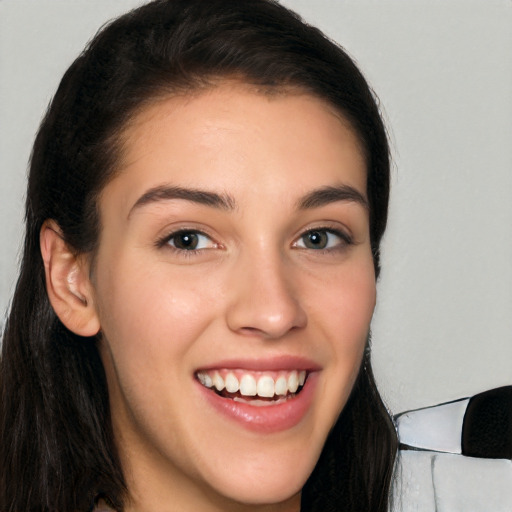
186 241
316 239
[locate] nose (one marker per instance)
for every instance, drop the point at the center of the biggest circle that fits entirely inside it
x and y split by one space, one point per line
264 301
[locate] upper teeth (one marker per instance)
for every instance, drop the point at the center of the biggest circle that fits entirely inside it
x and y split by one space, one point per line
251 384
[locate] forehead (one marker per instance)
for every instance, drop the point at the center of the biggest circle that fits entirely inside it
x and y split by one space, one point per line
232 133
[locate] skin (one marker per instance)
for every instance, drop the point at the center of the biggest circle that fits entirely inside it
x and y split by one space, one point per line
253 291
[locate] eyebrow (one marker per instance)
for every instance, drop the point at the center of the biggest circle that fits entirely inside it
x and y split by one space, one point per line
166 192
314 199
326 195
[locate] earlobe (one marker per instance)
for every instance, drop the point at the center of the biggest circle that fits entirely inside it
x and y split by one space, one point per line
67 282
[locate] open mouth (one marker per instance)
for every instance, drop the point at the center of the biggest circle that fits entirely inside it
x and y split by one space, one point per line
254 388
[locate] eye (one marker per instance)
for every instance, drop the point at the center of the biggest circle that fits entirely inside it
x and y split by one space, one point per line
190 241
322 239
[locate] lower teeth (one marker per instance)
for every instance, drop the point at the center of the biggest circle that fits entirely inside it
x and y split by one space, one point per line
256 400
261 402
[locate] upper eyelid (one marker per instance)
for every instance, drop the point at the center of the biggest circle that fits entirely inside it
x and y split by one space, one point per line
337 230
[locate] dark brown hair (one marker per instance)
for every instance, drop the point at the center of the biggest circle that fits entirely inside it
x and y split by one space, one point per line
57 451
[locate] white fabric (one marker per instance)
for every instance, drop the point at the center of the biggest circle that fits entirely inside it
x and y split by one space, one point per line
435 482
436 428
412 489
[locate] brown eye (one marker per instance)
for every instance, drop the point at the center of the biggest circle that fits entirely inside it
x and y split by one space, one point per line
190 241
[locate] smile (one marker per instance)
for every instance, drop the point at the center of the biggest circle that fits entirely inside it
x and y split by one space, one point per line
263 396
242 385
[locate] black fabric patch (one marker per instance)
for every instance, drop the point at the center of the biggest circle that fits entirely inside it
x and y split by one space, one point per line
487 427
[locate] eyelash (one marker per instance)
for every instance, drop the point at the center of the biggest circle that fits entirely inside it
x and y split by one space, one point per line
344 241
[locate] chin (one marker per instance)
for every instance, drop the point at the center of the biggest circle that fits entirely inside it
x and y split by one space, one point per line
271 491
264 483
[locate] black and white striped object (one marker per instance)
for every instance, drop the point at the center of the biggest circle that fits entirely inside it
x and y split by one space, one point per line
480 426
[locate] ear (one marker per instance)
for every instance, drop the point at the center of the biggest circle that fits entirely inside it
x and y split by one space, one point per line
67 282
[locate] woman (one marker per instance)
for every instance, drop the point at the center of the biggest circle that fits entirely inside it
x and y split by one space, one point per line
190 329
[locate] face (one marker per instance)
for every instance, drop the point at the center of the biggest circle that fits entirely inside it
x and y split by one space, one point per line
234 286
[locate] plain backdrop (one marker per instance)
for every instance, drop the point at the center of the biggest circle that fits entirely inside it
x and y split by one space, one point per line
443 73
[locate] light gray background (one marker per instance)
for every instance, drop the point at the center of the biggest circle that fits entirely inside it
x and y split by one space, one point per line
443 72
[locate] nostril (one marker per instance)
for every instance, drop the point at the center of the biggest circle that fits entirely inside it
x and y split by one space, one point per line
251 331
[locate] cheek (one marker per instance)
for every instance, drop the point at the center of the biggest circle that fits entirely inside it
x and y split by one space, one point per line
345 302
344 312
152 312
355 306
151 321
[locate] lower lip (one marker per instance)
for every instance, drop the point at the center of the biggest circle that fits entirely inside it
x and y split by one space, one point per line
268 418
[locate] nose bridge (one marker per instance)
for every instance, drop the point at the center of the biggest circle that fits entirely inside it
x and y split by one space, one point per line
264 300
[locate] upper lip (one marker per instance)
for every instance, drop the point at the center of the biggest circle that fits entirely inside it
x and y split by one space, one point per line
285 362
